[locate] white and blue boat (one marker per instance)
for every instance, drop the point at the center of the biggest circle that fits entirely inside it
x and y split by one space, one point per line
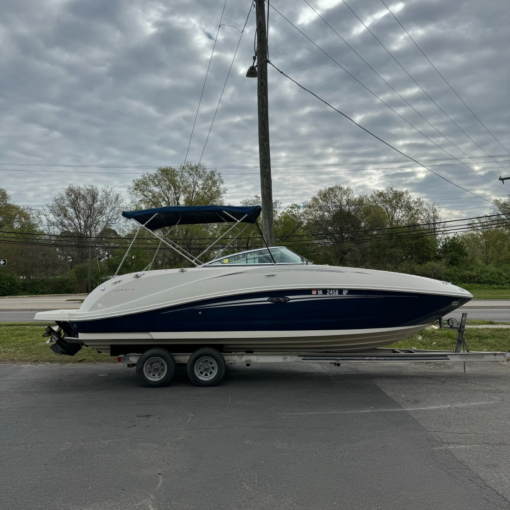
263 300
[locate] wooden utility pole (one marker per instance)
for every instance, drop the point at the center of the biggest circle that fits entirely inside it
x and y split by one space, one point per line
89 272
266 185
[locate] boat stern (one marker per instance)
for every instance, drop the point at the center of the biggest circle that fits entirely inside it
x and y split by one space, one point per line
61 337
54 315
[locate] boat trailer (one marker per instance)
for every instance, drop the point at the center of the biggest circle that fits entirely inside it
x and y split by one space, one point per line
206 365
375 355
460 354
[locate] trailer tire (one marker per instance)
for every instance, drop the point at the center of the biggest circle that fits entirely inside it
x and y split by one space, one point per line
206 367
155 368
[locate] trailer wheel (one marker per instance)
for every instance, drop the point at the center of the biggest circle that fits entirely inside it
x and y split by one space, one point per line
155 368
206 367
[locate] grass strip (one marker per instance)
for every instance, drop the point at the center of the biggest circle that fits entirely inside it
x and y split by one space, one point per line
480 291
23 343
444 339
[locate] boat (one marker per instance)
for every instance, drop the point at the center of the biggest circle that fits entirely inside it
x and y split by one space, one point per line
265 300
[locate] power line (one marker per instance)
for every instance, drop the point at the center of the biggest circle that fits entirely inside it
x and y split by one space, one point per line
408 74
382 100
234 174
489 217
403 231
225 84
332 239
158 165
377 137
401 97
205 81
444 79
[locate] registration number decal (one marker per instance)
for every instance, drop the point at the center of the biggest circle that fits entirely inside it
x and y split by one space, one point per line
329 292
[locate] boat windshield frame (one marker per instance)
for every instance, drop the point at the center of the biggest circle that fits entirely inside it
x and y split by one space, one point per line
217 261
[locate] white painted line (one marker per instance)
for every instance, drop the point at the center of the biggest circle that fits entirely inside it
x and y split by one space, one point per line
452 446
396 410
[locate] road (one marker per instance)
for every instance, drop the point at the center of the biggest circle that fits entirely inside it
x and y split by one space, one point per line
23 309
285 436
485 314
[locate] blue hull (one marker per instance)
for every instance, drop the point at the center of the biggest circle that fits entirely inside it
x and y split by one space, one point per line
297 310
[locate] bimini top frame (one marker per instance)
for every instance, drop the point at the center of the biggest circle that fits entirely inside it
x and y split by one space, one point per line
155 219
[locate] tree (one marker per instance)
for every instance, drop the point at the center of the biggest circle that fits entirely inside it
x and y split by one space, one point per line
251 237
378 231
453 251
13 217
26 259
335 214
487 244
399 241
398 207
187 185
288 227
184 186
84 212
502 207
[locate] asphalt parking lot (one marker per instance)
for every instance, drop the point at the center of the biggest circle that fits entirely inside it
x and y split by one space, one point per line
269 437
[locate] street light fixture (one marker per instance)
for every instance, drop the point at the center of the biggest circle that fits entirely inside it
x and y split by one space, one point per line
252 72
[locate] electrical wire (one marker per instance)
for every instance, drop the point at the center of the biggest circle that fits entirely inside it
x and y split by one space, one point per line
227 174
205 81
378 138
225 84
408 74
496 218
401 234
157 165
358 235
382 100
404 99
333 239
276 174
440 74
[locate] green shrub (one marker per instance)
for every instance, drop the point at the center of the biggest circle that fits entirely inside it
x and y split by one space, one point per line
34 286
9 284
481 274
436 270
99 274
52 285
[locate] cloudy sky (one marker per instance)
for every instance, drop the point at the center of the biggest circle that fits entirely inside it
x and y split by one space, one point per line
95 91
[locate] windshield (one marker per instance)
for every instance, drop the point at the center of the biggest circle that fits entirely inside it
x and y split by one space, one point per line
280 255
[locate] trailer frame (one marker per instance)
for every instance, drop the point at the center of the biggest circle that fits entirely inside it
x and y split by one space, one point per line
376 355
460 354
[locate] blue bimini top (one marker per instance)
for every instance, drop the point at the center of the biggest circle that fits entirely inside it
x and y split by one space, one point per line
193 215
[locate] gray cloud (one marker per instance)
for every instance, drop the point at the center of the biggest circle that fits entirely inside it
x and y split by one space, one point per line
117 84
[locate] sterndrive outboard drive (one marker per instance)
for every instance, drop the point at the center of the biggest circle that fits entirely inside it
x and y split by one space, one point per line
61 344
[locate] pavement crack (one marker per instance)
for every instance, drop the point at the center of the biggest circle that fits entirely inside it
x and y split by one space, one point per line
160 481
468 475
